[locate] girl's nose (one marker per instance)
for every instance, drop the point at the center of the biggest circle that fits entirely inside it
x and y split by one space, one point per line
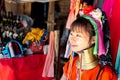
73 39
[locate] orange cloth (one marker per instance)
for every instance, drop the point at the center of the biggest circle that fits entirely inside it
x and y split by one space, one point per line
105 74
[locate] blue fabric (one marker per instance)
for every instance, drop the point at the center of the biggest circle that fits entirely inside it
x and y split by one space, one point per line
117 66
64 37
43 36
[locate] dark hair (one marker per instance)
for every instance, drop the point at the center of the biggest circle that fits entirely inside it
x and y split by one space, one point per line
82 23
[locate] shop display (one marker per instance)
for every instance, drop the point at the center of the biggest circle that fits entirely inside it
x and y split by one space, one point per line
18 29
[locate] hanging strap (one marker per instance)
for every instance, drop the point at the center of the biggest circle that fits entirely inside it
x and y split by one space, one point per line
101 69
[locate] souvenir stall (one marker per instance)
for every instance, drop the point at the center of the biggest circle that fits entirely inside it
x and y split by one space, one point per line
25 54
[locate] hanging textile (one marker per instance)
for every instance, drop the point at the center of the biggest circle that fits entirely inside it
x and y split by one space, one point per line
107 7
57 35
117 66
74 8
48 70
115 29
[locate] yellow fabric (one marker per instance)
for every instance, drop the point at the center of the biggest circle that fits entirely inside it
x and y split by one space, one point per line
35 34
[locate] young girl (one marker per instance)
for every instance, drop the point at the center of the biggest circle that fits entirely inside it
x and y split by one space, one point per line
83 41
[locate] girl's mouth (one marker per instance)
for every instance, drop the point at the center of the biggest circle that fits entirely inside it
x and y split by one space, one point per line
74 45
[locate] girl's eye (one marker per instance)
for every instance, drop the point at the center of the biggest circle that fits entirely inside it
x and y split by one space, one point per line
71 34
78 35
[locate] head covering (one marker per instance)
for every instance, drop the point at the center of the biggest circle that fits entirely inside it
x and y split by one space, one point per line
99 45
96 32
94 15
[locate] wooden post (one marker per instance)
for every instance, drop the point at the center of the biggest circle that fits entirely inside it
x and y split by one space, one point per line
28 8
50 20
50 27
24 8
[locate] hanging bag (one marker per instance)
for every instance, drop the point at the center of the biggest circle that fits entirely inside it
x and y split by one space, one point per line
13 49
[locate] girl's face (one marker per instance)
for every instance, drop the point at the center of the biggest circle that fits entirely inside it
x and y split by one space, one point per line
79 40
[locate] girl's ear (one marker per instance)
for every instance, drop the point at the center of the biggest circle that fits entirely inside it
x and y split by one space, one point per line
92 41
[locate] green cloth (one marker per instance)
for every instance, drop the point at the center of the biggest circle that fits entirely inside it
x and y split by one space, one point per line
95 52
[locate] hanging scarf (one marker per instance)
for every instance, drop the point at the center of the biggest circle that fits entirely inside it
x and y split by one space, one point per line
74 8
48 70
115 29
